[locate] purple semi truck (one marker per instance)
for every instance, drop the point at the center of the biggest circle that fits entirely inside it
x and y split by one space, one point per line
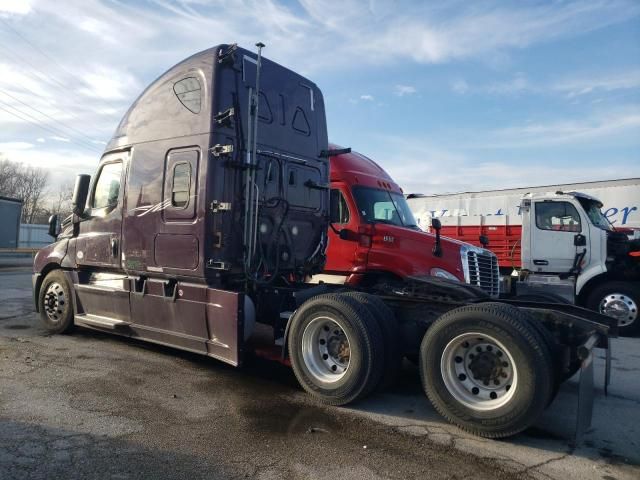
210 210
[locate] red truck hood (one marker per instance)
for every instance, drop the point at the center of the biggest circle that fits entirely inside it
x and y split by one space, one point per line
411 251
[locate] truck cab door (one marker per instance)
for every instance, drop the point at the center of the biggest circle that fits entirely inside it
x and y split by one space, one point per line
341 252
553 227
102 287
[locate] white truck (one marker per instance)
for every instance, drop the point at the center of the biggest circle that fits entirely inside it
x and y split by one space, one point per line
580 242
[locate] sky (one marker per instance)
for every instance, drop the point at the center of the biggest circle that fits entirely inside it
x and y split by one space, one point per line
447 96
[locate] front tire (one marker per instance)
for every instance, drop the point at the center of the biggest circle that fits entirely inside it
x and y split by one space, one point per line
55 303
486 369
336 349
620 300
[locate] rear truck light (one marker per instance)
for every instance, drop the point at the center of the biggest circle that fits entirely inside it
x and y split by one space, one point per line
634 254
365 234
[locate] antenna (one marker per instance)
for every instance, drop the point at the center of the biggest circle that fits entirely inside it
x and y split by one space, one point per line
251 187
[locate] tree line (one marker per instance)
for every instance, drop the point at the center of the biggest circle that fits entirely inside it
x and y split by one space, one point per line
29 184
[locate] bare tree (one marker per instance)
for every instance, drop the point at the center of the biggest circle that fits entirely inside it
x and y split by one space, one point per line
24 182
60 203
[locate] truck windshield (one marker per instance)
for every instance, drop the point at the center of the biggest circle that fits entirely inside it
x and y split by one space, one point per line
382 206
592 208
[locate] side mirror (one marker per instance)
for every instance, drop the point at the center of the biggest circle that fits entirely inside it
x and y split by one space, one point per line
54 226
80 193
437 248
580 240
343 234
334 206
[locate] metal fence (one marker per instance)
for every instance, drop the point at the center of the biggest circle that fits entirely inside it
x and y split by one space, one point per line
34 236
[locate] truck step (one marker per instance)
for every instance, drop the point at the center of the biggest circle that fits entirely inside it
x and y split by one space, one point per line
99 321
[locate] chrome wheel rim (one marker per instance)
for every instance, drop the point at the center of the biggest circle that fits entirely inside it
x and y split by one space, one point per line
326 350
479 371
620 306
54 302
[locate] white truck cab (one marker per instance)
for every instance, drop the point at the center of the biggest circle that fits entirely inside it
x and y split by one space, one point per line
568 242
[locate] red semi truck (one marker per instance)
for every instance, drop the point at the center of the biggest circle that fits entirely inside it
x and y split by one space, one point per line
375 238
210 210
552 244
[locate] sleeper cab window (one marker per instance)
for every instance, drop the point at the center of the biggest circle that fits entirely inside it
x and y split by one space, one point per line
189 93
181 185
557 216
107 186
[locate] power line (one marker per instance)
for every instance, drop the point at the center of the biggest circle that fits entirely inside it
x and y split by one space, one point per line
44 76
48 116
39 124
38 49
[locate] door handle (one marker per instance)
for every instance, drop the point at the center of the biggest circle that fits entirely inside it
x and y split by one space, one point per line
114 247
541 262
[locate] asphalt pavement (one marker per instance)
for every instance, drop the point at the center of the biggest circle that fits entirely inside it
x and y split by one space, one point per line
92 405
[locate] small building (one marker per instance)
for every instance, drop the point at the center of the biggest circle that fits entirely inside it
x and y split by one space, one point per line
10 212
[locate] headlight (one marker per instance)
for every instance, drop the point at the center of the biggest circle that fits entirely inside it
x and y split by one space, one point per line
439 272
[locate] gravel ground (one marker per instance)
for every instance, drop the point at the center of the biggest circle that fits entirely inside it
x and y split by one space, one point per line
91 405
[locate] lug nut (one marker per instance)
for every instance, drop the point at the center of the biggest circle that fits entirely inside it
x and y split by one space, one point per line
462 377
458 359
475 390
493 395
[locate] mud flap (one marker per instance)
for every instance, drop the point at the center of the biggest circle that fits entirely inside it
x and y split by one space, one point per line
585 398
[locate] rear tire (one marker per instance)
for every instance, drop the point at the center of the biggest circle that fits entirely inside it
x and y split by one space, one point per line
620 300
486 369
390 333
55 303
336 349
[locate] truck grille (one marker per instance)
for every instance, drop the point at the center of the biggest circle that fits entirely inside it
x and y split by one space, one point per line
481 269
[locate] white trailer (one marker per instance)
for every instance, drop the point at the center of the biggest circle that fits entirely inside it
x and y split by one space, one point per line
620 198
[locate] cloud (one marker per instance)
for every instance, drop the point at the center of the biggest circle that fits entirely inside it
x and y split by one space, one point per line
589 129
110 84
460 86
518 84
421 166
402 90
457 31
60 139
7 147
104 52
598 83
18 7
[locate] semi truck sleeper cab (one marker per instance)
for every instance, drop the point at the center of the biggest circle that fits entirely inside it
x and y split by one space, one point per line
210 211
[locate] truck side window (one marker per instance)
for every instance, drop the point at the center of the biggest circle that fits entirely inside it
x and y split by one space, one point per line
557 216
343 208
107 186
181 185
189 93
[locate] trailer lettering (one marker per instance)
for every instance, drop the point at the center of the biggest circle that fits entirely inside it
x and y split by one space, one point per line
625 213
